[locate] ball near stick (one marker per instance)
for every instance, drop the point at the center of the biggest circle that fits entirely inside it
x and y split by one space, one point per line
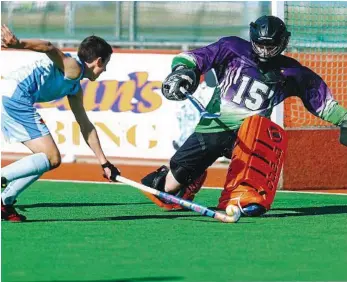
233 211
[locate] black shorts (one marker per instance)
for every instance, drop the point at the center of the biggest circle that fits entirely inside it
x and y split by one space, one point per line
201 150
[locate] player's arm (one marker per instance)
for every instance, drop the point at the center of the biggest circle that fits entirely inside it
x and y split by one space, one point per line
318 100
90 135
337 115
69 66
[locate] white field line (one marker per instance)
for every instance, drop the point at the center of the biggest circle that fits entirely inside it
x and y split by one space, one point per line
218 188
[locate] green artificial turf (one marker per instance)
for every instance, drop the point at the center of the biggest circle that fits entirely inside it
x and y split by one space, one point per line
111 233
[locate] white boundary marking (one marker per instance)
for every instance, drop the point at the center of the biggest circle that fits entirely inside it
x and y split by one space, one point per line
205 187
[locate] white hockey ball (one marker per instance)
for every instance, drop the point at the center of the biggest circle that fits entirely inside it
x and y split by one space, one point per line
233 211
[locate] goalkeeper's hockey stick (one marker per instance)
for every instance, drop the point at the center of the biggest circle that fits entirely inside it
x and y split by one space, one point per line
197 104
175 200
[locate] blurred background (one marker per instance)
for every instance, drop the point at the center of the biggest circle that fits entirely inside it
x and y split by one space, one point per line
180 24
135 24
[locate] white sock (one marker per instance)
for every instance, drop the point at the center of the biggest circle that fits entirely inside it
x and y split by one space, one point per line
35 164
16 187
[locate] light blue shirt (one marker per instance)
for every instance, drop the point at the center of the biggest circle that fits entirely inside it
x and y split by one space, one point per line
43 81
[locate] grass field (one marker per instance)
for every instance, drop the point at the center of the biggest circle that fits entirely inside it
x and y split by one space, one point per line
111 233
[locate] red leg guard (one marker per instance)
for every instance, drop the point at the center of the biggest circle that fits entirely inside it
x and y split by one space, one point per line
256 164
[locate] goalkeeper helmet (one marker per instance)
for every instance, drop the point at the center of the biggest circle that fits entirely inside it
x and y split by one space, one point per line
269 37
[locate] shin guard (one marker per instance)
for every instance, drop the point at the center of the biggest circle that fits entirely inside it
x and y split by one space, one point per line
255 167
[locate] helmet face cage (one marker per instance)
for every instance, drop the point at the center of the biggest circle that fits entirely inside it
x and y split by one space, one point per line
269 51
269 37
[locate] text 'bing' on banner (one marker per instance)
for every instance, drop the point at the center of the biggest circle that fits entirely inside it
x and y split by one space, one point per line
125 105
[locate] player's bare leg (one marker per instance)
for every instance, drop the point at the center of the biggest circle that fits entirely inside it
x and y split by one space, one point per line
172 186
26 171
46 145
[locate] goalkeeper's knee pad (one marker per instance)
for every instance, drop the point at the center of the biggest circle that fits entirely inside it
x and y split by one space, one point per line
255 166
156 179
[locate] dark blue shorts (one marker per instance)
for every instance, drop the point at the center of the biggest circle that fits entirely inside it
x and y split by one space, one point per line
201 150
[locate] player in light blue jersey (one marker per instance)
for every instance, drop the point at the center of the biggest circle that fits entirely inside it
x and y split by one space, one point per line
45 80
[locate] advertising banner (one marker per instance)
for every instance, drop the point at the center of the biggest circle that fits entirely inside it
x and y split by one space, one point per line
133 119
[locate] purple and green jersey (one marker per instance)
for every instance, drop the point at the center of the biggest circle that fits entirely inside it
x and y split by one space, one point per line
243 90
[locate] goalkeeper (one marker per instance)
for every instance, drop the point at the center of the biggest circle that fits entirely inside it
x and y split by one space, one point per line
253 77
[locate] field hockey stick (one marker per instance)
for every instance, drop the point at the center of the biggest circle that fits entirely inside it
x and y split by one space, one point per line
175 200
197 104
